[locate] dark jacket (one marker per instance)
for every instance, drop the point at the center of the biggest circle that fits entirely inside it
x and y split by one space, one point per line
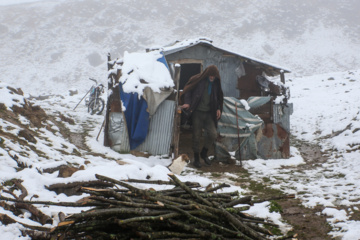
194 89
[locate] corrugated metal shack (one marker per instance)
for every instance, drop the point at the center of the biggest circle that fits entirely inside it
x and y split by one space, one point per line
242 77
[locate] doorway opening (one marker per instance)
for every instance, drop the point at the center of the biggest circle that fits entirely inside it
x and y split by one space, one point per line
185 139
187 71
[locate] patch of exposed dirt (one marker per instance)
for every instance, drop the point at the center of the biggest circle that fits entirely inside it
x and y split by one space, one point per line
310 152
306 222
78 140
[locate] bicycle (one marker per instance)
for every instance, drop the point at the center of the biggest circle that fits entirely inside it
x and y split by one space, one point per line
94 102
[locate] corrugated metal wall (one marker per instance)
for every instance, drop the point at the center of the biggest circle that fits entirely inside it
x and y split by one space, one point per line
158 139
281 115
226 65
160 133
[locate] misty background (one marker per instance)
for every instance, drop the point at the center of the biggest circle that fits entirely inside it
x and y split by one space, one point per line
62 43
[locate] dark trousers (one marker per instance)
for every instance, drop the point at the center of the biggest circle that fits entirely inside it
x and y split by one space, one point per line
202 120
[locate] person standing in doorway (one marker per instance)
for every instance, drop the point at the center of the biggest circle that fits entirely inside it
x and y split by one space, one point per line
202 97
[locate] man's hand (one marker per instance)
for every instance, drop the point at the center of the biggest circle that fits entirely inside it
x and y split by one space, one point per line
218 114
185 106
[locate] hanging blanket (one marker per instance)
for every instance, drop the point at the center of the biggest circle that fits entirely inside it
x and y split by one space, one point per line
137 118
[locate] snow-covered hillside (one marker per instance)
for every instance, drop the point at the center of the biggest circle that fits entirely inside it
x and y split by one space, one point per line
62 43
327 113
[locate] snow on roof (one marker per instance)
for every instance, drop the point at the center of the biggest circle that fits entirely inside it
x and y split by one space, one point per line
181 45
141 70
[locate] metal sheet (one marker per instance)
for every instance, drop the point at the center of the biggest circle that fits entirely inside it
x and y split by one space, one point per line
281 115
227 65
158 139
274 144
183 47
118 133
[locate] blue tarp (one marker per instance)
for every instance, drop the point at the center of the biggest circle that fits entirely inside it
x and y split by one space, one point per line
137 118
163 60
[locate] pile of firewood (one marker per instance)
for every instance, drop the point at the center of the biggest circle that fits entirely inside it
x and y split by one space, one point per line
178 213
182 212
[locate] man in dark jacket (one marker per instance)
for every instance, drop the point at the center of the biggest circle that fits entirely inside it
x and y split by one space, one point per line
203 98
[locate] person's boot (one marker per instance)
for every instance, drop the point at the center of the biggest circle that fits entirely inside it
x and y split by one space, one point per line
197 163
204 156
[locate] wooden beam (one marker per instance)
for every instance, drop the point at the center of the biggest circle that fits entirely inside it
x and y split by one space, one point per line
177 117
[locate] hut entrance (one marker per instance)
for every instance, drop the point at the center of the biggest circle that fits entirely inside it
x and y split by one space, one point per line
185 141
187 71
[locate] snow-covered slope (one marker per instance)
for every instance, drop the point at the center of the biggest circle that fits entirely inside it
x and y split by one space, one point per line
326 112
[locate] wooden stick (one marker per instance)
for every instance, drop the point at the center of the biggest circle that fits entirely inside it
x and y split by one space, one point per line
65 204
189 190
238 132
243 200
82 99
8 220
213 189
102 125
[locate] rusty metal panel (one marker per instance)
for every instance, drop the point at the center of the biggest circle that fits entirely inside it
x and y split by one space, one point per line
274 144
275 140
158 139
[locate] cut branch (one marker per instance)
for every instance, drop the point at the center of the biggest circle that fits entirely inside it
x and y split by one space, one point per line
189 190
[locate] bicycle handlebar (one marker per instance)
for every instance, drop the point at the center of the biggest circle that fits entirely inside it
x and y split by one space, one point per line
92 79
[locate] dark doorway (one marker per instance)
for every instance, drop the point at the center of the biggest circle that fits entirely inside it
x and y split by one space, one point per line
187 71
185 141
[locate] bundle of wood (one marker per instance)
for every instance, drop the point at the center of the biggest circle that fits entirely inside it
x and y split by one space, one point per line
182 212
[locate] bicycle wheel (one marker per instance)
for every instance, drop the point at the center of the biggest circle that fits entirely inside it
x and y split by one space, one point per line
96 106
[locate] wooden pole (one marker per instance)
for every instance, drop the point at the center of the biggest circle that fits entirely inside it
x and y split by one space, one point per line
238 131
102 125
177 117
282 76
107 112
82 99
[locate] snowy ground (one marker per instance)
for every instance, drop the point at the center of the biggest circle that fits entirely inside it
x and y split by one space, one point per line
326 112
55 151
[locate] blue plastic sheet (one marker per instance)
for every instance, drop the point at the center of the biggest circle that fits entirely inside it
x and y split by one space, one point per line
137 118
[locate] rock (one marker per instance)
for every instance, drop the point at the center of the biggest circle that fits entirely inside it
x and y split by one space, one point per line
28 136
66 171
73 92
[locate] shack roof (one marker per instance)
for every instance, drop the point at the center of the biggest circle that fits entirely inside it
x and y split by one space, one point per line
188 43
